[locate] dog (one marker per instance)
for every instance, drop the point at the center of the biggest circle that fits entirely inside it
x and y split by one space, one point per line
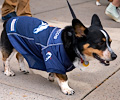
99 4
62 51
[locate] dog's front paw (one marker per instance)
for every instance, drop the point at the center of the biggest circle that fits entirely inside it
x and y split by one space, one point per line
9 73
68 91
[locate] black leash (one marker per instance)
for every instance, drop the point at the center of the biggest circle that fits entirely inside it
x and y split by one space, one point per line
86 63
74 17
71 10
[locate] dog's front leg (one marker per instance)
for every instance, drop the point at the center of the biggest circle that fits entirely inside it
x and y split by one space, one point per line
63 83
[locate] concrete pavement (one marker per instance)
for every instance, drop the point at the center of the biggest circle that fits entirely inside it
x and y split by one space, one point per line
97 82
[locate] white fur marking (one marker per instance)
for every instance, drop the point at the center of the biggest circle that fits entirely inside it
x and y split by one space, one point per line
22 64
8 71
65 87
106 55
105 34
77 64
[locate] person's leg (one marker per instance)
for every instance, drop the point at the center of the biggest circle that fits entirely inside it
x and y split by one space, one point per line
23 8
111 10
116 3
8 7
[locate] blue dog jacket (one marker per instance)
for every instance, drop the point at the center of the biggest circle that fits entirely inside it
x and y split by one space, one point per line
40 44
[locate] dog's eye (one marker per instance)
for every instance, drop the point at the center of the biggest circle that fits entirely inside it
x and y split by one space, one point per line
101 43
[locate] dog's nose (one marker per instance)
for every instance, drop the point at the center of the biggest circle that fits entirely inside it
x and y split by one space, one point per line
113 56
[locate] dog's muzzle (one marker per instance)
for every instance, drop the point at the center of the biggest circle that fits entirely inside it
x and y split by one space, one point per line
113 56
105 62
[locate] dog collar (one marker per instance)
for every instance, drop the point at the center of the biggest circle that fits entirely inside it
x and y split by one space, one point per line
82 58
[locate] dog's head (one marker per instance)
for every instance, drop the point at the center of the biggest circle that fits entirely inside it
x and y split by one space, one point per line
93 42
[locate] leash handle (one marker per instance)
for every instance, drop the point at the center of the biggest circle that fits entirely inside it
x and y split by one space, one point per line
71 10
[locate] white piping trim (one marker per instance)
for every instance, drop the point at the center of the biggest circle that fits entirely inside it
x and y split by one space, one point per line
52 45
40 45
51 34
70 67
44 47
20 36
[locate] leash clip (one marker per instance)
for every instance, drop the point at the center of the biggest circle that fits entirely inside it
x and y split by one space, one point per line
85 63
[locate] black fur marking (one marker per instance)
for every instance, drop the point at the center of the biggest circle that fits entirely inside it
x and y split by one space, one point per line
69 42
5 43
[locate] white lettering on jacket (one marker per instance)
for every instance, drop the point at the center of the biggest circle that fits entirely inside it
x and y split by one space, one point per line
57 33
40 28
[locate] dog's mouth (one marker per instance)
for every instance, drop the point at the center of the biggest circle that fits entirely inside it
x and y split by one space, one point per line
106 63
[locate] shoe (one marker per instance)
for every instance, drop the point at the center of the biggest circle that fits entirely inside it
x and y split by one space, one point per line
98 3
12 14
117 19
118 10
111 11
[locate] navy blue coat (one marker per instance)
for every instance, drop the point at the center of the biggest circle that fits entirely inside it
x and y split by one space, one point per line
40 44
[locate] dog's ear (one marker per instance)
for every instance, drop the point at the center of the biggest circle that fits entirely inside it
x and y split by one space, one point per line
78 27
96 21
